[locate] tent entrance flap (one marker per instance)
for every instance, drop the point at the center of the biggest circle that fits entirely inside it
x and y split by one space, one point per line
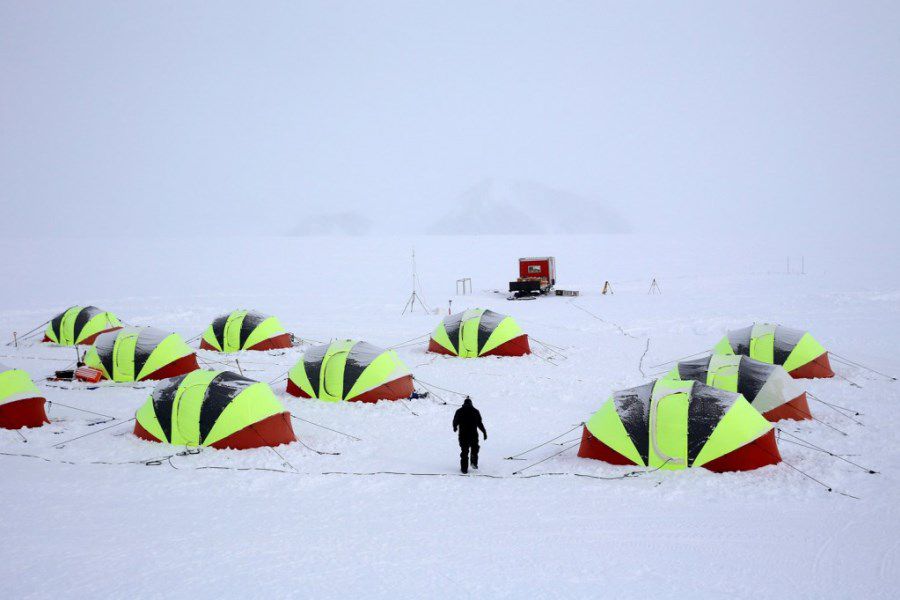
333 376
668 431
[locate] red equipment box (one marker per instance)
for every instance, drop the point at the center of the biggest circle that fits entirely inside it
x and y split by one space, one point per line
88 374
543 268
537 275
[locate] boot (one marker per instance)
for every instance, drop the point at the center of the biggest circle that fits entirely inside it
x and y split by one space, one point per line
464 465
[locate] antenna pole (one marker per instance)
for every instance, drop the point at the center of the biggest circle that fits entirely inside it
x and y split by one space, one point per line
414 295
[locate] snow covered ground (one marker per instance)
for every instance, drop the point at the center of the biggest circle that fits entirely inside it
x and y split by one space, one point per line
91 519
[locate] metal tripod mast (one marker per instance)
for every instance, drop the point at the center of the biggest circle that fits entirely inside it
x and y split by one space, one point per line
414 296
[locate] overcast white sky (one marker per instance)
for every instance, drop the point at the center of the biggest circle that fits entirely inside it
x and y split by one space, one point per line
252 115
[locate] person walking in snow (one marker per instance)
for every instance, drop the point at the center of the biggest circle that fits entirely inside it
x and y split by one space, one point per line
467 421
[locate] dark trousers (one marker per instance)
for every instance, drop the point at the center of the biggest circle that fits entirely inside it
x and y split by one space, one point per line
467 446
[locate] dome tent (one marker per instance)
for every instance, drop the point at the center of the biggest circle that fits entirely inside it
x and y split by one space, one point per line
673 424
245 330
218 409
479 332
80 325
350 370
140 353
797 351
768 388
21 403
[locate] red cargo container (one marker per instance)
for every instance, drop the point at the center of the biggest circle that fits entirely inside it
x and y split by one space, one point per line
537 275
543 268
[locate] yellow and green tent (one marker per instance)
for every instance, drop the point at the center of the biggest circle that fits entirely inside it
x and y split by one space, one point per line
245 330
479 332
218 409
673 424
140 353
350 370
80 325
21 403
796 350
768 388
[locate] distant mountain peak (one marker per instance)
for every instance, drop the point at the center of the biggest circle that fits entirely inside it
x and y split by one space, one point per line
494 206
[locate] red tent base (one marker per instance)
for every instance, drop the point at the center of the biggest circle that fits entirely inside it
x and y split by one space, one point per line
273 343
816 369
796 410
433 346
760 452
271 431
515 347
294 390
88 341
399 389
28 412
182 366
591 447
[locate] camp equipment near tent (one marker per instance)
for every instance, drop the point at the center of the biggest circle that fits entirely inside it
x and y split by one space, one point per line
479 332
245 330
350 370
768 388
80 325
797 351
21 403
218 409
140 353
673 424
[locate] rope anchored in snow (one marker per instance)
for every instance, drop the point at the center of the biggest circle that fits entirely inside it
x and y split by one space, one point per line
550 348
827 487
352 437
679 359
807 444
563 434
431 392
410 342
847 361
838 409
62 444
16 339
850 381
90 412
439 387
545 459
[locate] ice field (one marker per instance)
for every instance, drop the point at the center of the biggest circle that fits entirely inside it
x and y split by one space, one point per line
389 515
